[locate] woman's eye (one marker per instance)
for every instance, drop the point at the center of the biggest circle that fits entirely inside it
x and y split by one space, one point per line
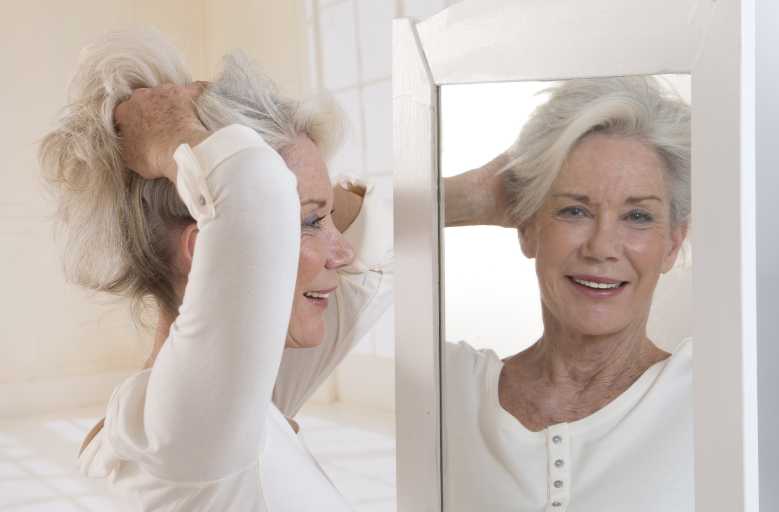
314 222
573 212
640 217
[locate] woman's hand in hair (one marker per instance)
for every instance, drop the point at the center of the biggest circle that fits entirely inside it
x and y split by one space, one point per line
153 122
477 197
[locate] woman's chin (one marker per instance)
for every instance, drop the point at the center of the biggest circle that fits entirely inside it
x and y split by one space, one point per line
599 331
589 323
594 320
597 326
304 339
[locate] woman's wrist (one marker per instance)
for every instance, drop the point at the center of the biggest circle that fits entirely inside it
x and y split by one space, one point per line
195 136
476 197
347 203
192 137
461 207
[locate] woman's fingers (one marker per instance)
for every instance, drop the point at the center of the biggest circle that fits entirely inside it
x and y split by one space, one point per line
153 122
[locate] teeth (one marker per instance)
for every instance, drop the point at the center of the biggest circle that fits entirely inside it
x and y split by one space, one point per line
599 286
315 295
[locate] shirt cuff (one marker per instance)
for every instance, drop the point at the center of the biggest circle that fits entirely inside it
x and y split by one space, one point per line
371 232
194 165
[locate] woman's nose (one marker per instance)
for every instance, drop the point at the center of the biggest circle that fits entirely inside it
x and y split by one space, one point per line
341 253
603 242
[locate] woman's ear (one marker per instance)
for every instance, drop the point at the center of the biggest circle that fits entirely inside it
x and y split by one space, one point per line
528 238
678 234
187 241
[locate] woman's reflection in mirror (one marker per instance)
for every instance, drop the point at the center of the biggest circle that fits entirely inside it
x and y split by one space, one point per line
594 415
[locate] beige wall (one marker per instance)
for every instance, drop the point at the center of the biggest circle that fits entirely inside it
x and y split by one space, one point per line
48 329
270 31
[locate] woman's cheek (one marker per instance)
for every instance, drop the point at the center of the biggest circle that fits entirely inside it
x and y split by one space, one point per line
310 258
558 240
646 247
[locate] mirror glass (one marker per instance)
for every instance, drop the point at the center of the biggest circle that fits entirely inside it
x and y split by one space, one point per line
492 311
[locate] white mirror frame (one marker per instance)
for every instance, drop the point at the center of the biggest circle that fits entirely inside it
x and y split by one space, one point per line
512 40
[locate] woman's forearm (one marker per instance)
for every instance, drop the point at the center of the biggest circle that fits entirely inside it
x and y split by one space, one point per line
208 392
461 208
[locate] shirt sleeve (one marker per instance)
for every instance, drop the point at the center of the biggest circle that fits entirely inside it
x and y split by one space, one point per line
205 405
363 295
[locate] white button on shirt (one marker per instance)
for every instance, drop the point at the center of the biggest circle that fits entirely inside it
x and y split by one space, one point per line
198 431
635 454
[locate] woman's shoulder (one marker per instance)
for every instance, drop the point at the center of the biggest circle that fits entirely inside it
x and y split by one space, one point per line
685 345
470 378
681 355
130 394
463 359
124 408
678 367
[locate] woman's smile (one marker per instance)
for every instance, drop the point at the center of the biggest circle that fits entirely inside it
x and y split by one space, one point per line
597 287
603 236
319 298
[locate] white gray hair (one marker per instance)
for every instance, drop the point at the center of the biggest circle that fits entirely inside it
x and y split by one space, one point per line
637 107
118 226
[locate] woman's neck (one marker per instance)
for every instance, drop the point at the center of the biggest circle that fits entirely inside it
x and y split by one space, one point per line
164 322
566 376
566 357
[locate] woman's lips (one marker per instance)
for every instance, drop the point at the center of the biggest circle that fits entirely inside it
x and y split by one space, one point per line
318 298
597 287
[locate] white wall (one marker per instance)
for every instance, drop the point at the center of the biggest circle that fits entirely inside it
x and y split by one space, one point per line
59 345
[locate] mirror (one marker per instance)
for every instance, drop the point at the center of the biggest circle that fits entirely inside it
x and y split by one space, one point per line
507 41
492 306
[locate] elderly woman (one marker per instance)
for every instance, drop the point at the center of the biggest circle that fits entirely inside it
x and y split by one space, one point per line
594 416
213 202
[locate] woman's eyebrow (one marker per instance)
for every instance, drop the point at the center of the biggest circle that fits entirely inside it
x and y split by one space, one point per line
577 197
582 198
638 199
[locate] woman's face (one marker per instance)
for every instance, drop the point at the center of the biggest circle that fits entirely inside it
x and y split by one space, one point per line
603 237
323 249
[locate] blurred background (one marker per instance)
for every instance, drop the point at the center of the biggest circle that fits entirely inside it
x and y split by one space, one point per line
64 350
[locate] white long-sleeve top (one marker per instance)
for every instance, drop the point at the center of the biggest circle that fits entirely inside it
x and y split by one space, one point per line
635 454
198 431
